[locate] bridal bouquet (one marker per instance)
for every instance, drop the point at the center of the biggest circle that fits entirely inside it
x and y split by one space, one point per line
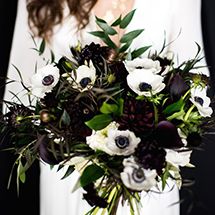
127 123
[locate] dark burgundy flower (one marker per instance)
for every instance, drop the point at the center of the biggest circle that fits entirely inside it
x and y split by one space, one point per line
151 155
97 54
138 116
49 100
120 73
16 114
167 136
81 108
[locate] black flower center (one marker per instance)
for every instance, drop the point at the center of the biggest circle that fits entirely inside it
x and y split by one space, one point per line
84 82
138 175
199 100
145 87
48 80
86 111
122 142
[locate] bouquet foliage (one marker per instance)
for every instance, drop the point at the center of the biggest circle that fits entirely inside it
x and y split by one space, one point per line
127 123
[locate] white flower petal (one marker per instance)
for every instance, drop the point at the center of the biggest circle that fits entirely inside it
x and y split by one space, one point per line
132 141
81 73
139 76
134 182
98 140
38 88
204 109
145 63
178 158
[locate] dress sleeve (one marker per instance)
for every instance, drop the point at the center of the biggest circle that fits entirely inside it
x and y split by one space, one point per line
186 30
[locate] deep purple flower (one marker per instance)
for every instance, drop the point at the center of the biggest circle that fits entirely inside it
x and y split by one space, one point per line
151 155
167 136
178 86
138 116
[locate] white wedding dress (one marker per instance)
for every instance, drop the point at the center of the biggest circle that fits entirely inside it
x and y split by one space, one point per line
160 19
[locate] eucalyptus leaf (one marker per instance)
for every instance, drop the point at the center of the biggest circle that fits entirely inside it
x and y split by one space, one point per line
99 122
105 27
131 35
99 34
125 47
105 38
91 174
127 19
136 53
117 21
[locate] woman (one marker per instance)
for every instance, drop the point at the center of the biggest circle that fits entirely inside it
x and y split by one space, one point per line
63 24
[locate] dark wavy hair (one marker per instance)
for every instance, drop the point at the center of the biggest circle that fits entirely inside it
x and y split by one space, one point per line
43 15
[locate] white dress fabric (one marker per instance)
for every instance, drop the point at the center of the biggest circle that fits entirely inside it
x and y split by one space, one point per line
160 19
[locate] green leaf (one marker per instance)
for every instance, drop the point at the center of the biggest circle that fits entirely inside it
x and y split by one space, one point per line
131 35
69 171
91 174
65 118
177 115
105 27
127 19
42 47
120 106
164 178
99 122
99 34
21 172
104 37
175 107
125 47
108 108
117 21
136 53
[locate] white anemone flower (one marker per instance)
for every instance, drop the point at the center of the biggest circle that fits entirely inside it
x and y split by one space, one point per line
143 63
137 178
200 99
83 77
122 142
178 158
44 80
98 139
144 82
113 141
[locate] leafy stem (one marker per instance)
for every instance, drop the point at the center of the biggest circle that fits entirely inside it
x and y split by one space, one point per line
189 112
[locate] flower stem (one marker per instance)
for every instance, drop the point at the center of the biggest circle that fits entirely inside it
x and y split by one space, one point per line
156 114
188 113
